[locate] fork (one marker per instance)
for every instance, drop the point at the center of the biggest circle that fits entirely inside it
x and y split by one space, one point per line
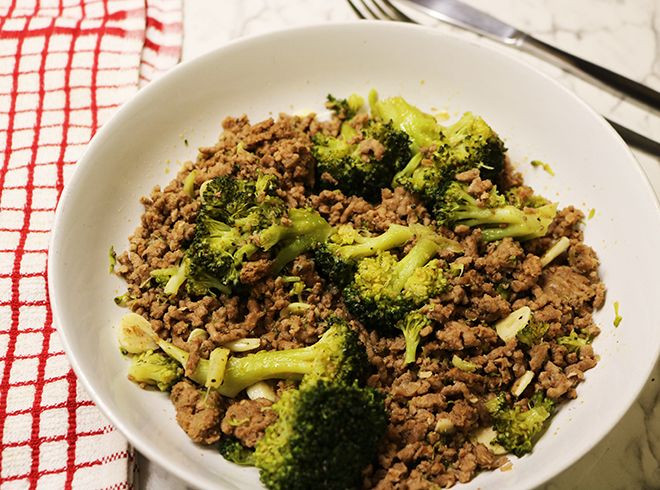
386 10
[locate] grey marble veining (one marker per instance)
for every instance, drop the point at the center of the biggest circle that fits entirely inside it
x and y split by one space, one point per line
623 35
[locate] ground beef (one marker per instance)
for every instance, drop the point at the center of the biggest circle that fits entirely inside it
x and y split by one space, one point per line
198 413
433 407
247 420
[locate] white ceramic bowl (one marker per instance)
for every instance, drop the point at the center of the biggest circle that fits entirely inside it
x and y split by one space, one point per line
292 71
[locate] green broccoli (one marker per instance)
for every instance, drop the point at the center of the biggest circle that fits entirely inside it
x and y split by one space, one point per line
573 341
249 203
385 288
360 161
237 219
533 332
440 152
496 217
468 144
422 128
518 429
337 258
338 355
232 450
411 325
304 231
155 369
345 108
325 434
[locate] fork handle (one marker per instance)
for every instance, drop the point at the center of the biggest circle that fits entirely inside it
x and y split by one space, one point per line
626 86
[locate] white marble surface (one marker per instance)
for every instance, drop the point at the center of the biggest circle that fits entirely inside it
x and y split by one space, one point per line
623 35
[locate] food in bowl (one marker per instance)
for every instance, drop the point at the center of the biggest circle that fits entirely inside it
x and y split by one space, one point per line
372 300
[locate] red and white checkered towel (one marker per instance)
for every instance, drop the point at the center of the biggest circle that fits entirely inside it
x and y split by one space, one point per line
65 66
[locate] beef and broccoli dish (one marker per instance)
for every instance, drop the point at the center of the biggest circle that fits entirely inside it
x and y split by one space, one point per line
370 300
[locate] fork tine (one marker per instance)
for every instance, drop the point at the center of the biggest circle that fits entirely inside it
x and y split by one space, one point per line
383 13
357 11
365 7
398 13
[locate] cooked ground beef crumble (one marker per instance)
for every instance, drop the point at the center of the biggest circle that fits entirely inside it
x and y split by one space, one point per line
497 278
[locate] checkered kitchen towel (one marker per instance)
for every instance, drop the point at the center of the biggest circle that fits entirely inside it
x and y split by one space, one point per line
65 66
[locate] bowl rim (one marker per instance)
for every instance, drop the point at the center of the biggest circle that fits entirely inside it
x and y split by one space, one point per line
155 455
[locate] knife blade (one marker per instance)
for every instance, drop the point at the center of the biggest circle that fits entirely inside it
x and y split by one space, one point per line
467 17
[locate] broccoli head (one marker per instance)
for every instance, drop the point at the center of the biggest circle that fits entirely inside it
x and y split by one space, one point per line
496 218
250 203
471 143
411 326
422 128
326 433
385 288
360 161
533 332
440 152
573 341
345 108
237 219
232 450
518 429
337 258
155 369
468 144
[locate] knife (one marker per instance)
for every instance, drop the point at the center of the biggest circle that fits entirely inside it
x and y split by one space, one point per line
462 15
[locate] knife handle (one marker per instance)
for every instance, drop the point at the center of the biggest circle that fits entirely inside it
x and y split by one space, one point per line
625 86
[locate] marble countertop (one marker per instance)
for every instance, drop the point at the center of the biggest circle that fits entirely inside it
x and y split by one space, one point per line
623 35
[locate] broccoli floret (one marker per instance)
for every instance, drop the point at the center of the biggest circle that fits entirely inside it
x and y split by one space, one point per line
518 429
468 144
422 128
440 152
246 202
471 143
338 355
533 332
234 451
360 161
237 219
496 404
385 288
304 230
496 218
573 341
155 369
411 325
337 258
345 108
325 434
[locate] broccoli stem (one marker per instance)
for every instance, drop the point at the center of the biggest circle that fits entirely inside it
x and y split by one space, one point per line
303 222
292 363
175 282
408 170
474 216
412 341
181 356
395 236
289 252
424 250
